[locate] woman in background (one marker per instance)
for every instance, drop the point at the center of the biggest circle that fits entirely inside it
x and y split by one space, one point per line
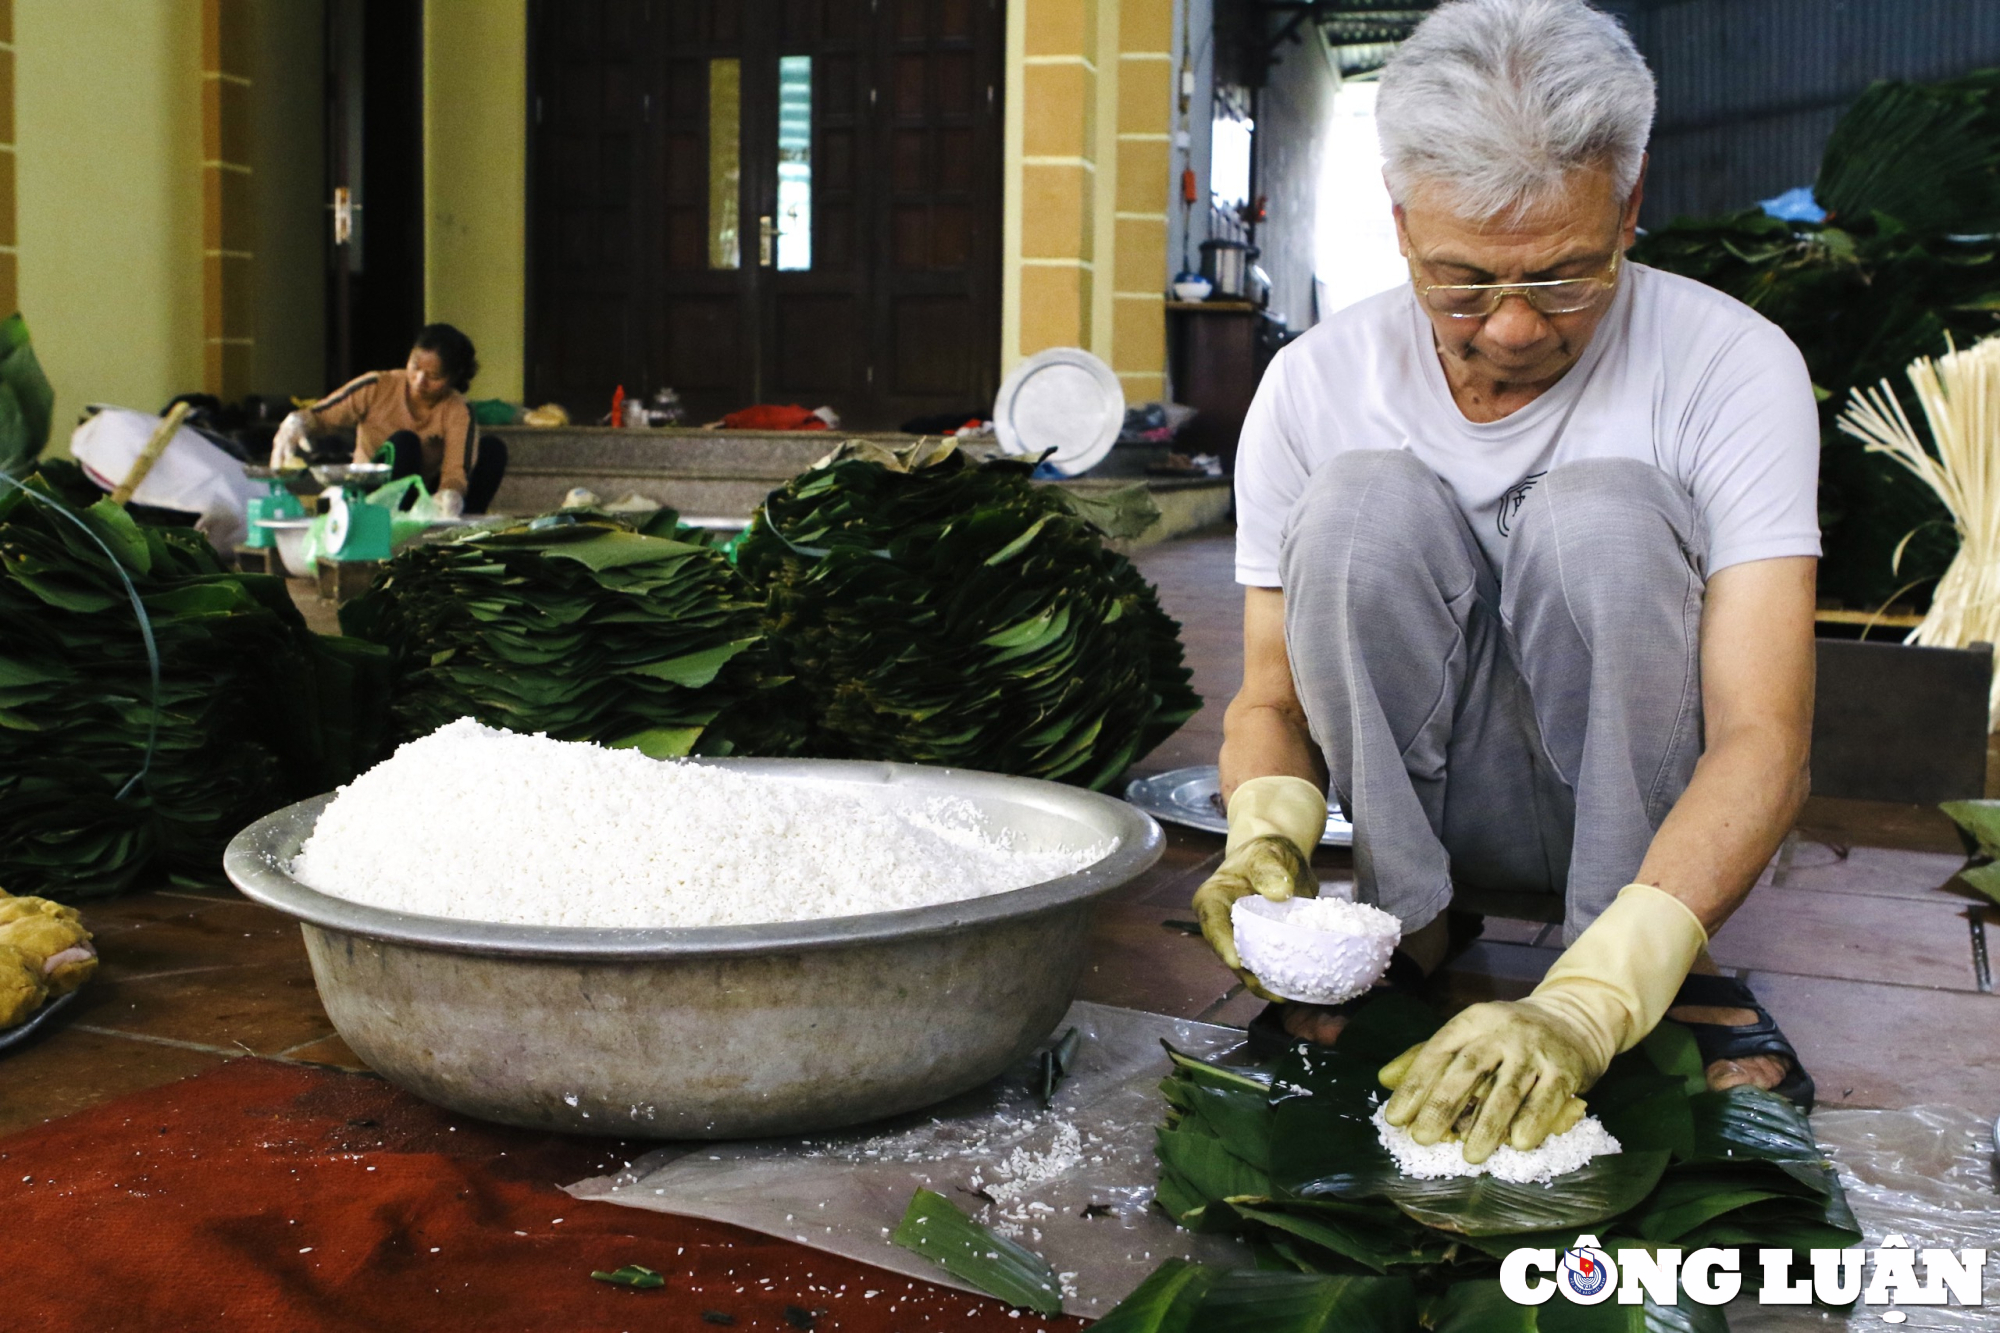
421 409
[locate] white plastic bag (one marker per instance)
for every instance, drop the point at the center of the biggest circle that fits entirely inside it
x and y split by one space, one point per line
191 475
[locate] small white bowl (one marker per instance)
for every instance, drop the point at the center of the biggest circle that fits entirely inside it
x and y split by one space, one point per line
1315 950
289 539
1193 289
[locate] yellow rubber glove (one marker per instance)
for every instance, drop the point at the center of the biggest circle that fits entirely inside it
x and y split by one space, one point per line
1274 823
1518 1066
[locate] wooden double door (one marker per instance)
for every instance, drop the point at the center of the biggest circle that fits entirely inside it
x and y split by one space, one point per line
757 201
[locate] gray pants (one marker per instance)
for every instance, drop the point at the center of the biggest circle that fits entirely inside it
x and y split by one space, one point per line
1520 728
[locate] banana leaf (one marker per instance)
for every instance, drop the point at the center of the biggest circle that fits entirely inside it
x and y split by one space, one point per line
584 626
1308 1185
1168 1301
934 1227
1979 822
1184 1296
26 400
151 702
928 610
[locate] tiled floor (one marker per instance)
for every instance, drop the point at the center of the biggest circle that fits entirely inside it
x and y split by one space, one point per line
1858 941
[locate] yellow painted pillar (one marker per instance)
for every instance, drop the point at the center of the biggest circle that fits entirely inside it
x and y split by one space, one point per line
1053 177
1139 267
1090 96
228 241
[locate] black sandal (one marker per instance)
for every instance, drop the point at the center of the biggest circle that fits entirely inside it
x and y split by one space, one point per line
1717 1041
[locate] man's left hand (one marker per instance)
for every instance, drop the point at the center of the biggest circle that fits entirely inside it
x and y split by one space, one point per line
450 504
1515 1066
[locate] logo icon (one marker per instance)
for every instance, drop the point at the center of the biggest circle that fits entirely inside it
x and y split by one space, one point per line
1587 1274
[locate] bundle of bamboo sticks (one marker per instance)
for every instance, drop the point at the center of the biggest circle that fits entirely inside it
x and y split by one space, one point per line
1960 396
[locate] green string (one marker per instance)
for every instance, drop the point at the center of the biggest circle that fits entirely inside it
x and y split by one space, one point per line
138 609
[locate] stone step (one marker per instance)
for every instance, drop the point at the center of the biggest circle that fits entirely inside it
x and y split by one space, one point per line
727 474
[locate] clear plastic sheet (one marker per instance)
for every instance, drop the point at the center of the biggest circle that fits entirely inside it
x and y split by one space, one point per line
1073 1183
1927 1174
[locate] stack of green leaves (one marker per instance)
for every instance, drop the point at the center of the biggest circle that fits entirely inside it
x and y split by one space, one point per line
585 626
931 611
100 777
1287 1157
1909 254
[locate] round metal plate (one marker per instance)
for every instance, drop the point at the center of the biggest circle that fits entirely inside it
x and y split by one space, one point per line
1192 797
1063 399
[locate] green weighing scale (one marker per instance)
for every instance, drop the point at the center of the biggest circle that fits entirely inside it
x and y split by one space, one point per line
355 530
277 501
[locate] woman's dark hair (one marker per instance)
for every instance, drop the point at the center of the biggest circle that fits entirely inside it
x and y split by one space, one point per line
454 349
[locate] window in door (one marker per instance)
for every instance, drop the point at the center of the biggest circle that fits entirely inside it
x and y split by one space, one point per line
795 125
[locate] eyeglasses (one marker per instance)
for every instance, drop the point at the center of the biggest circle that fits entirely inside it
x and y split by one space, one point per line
1477 300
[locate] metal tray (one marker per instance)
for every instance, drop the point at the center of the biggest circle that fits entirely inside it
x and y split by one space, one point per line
44 1017
1192 797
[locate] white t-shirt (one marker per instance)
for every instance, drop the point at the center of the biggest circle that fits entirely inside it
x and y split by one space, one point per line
1677 375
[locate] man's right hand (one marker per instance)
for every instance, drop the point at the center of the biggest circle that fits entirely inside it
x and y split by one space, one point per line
1274 823
293 442
1269 866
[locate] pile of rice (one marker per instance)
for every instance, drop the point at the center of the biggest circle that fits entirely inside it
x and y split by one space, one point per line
485 825
1559 1154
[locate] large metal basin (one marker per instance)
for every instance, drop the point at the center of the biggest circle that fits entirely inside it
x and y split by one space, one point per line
724 1031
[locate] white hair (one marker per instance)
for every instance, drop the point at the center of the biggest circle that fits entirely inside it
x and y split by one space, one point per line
1498 102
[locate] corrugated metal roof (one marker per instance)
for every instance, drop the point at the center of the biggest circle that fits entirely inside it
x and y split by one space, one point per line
1750 88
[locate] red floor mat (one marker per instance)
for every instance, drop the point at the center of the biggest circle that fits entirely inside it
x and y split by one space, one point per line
263 1195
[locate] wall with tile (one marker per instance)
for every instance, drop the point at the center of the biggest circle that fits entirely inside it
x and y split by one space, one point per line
1090 101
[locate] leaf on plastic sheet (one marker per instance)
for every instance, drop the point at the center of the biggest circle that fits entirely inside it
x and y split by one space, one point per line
661 742
1240 1119
1254 1078
696 669
1210 1167
1186 1205
1363 1244
1280 1302
1166 1302
631 1275
1748 1123
934 1227
1485 1206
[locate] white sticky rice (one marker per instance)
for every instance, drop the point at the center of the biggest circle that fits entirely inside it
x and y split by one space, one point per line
1317 950
485 825
1559 1154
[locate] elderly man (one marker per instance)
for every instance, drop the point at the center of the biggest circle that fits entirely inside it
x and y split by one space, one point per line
1529 548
